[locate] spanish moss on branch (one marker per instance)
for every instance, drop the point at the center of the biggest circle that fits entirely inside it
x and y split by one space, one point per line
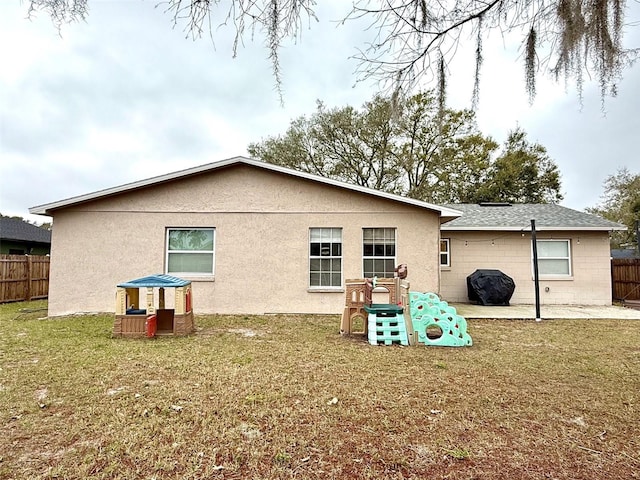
414 41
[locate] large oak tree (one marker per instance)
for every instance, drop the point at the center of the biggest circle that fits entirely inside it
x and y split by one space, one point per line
413 148
621 203
523 173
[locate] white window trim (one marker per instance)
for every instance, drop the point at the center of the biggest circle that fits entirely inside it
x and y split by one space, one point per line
325 288
190 275
553 276
363 258
447 253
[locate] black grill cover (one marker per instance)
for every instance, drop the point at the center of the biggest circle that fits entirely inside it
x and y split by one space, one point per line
490 287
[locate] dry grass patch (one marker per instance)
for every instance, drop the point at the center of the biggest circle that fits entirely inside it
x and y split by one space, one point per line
268 397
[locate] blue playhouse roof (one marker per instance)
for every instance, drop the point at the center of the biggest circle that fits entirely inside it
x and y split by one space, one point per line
158 280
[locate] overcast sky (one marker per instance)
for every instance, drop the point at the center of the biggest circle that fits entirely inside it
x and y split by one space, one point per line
125 96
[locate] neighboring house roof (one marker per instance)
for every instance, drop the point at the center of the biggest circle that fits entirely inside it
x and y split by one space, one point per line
625 253
46 209
517 217
21 231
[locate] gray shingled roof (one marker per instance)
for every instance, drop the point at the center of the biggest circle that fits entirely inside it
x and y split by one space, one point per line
624 253
519 216
15 229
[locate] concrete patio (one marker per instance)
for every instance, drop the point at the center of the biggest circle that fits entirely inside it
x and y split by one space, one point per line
524 312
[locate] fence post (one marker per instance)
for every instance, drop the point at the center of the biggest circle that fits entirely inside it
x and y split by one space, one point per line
29 268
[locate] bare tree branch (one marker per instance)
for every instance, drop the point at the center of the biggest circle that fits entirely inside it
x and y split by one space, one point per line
413 41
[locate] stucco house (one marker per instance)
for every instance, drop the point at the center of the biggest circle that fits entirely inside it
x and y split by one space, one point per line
251 236
574 256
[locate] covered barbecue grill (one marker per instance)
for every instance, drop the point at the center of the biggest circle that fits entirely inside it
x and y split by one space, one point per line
490 287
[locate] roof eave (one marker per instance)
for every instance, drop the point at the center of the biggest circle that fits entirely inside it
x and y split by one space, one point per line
446 213
47 208
452 228
9 239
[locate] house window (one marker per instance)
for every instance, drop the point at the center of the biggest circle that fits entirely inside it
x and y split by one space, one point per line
190 251
378 252
325 257
445 253
554 257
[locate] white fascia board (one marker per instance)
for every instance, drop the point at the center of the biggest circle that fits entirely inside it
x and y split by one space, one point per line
444 211
45 209
528 229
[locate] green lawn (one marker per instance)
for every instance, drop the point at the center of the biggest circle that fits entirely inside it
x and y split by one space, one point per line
267 397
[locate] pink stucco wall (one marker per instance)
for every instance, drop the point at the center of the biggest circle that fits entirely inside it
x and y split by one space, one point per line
262 220
510 252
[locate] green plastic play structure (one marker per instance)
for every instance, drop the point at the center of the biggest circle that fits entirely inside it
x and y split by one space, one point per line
386 324
435 322
432 322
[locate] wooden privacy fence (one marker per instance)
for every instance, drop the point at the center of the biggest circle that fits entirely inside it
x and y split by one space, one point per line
625 278
23 277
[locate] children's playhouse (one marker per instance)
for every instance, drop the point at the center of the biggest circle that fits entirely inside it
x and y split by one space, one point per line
152 314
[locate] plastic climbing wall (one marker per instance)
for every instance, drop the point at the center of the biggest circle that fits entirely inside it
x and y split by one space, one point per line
437 323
